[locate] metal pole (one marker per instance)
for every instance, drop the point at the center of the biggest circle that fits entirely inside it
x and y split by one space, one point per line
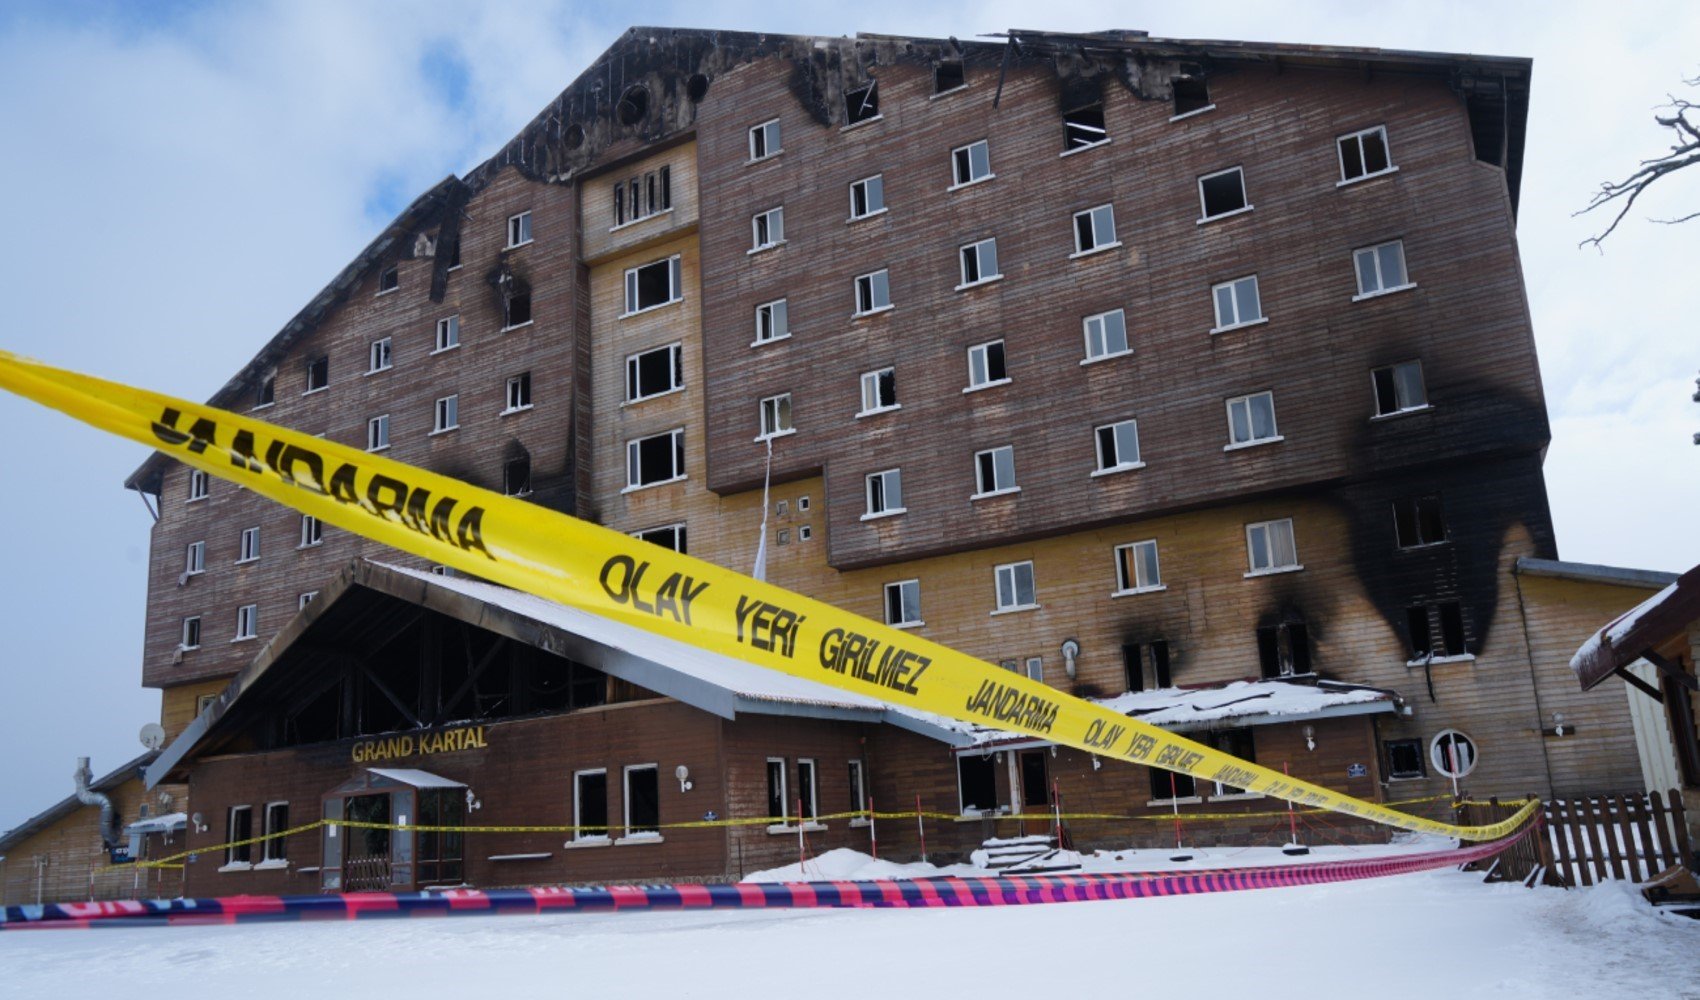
921 825
873 831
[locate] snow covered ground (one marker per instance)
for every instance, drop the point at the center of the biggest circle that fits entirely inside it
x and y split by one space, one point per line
1436 934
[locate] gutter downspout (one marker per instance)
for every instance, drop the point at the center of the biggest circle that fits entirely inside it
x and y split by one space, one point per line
109 834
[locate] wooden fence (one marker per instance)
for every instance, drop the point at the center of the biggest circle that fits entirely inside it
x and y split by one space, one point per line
1588 840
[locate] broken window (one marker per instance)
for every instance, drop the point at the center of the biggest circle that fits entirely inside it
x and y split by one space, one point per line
867 197
1192 95
516 309
1404 758
885 493
1381 269
903 603
764 140
971 163
1238 303
767 229
378 433
994 471
1118 446
516 476
773 321
807 807
948 76
778 804
977 782
1084 127
643 799
518 394
1417 521
1235 743
775 416
1270 547
879 391
671 536
654 372
448 333
873 292
655 284
1398 388
266 395
446 414
858 791
659 458
979 262
1095 229
454 254
985 365
642 196
1136 567
1436 630
519 230
1106 334
1364 154
1147 665
1222 193
389 279
1251 419
1015 587
862 104
318 373
1169 785
1284 650
277 821
1452 628
238 827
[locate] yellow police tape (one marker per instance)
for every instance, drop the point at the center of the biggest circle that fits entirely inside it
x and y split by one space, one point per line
573 562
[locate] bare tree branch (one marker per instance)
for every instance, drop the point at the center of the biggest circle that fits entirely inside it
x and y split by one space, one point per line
1684 152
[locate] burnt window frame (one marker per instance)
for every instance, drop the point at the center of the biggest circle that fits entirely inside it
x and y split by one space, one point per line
940 76
1436 632
634 828
389 279
318 374
585 825
863 110
1415 518
1393 386
1191 81
265 394
1418 754
516 476
238 854
1301 659
1074 122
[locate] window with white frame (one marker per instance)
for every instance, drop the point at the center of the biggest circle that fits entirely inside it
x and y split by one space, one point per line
971 163
249 549
1118 446
247 621
903 603
862 104
775 416
659 458
773 321
389 279
195 559
873 292
197 485
858 790
448 334
767 229
1269 546
808 807
1222 193
275 848
312 531
1015 587
979 263
643 800
1095 229
867 197
1399 388
267 394
668 536
1136 568
879 391
1106 334
378 355
1251 419
655 372
778 800
1034 668
518 395
994 471
191 637
318 374
764 140
519 229
1084 127
654 285
516 476
1381 269
378 433
985 365
446 414
1237 303
1364 154
239 828
302 600
884 493
590 804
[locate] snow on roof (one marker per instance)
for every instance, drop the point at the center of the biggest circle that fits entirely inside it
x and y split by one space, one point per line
168 823
1637 631
415 777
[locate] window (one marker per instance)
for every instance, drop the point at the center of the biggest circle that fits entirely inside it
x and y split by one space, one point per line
312 531
378 355
389 279
1399 388
805 532
858 789
985 365
1167 786
197 485
885 493
238 826
277 821
1035 668
808 807
773 322
516 308
195 559
516 476
654 285
903 603
977 782
1436 630
979 263
867 197
441 852
1192 95
671 536
1234 743
879 391
948 76
640 197
204 702
775 416
873 292
1269 546
191 638
266 395
971 164
249 549
1118 446
1237 303
1404 758
862 104
446 414
518 396
994 471
378 433
1094 230
318 373
767 229
1381 269
1147 665
1106 334
302 600
247 621
1417 521
1136 568
1251 420
590 804
655 372
1283 650
448 333
1015 587
1084 127
778 804
643 799
1452 753
656 459
454 255
764 140
1364 154
803 503
519 230
1222 193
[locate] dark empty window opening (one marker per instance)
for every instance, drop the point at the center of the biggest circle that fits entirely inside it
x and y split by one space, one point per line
1364 154
1284 650
1222 193
1452 629
1147 665
1084 127
1167 785
454 253
1436 630
633 106
696 88
267 393
947 76
643 800
318 373
1192 93
977 779
776 799
670 537
516 476
643 196
1035 782
516 309
389 279
654 372
1235 743
654 284
862 104
1416 623
1417 521
1399 388
1405 758
655 459
592 815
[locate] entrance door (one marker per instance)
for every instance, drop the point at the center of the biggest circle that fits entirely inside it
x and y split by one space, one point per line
1035 789
366 867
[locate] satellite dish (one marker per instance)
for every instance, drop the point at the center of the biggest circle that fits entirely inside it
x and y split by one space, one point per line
153 736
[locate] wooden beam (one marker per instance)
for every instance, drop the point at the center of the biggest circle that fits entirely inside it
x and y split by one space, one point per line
1639 684
1674 671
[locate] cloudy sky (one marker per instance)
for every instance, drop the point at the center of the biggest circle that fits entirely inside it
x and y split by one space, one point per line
185 175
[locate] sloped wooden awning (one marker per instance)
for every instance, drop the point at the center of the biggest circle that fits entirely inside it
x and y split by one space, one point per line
1655 630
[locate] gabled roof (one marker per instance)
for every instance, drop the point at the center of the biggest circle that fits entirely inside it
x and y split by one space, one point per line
70 804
